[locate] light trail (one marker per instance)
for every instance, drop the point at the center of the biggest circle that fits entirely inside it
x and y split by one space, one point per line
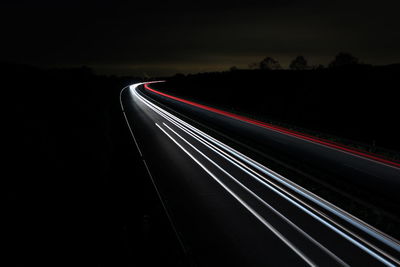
243 203
262 200
282 130
251 172
286 182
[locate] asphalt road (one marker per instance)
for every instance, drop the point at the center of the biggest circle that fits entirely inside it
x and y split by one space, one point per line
228 209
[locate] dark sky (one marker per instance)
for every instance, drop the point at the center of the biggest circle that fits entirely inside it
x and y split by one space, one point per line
164 37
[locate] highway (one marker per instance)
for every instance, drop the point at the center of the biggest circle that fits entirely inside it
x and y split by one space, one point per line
228 209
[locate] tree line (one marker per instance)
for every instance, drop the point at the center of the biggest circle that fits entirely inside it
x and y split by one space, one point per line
301 63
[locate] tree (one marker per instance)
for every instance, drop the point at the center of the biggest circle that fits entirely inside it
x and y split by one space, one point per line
299 63
343 59
233 68
269 63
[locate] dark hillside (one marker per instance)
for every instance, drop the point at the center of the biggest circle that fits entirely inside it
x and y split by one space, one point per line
76 189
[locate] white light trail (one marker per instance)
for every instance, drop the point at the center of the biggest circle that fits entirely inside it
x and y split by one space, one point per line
242 202
262 200
315 199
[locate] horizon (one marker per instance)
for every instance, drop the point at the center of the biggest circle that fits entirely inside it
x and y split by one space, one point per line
158 38
127 70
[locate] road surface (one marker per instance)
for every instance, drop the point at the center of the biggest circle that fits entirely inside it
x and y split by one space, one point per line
228 209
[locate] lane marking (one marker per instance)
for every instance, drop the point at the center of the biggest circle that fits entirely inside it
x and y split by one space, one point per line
127 122
181 243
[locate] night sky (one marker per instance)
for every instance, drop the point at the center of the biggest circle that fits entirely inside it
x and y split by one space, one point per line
165 37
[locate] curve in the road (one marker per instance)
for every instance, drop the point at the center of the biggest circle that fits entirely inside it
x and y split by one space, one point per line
332 225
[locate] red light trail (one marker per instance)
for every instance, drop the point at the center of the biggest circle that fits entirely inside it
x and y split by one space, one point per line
286 131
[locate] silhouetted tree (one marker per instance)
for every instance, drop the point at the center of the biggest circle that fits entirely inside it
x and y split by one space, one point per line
299 63
269 63
343 59
233 68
